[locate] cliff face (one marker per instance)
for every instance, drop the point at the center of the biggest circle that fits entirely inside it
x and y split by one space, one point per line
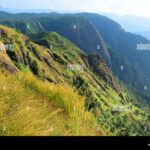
100 68
5 61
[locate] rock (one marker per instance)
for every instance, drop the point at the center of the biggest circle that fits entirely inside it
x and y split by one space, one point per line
2 47
6 63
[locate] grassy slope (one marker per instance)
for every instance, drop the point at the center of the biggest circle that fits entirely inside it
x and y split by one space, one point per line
32 107
52 65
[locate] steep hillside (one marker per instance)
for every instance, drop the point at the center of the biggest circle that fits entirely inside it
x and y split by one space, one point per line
78 30
123 51
92 32
30 107
92 61
59 63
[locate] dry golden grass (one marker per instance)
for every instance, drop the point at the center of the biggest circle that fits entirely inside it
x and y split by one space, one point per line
31 107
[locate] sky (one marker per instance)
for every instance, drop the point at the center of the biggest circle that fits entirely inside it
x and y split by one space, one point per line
119 7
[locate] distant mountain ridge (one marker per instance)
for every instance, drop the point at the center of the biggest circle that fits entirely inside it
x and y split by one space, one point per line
133 24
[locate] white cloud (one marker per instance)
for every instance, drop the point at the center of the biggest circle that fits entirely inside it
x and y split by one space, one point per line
121 7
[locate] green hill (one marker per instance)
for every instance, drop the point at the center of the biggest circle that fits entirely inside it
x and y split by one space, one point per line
30 107
65 76
92 32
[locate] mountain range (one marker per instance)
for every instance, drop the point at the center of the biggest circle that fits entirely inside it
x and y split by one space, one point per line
91 54
133 24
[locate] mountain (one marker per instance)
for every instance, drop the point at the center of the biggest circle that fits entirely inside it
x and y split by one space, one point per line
145 34
133 24
73 28
62 76
92 32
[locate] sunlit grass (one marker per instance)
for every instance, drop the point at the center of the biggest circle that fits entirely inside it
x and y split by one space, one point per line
30 106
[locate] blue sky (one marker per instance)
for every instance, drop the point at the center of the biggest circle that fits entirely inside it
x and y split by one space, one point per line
120 7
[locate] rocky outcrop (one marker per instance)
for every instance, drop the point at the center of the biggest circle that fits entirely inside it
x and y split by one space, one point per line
2 47
98 65
5 61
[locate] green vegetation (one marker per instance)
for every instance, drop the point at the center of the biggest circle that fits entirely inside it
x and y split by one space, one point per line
33 107
116 46
72 83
